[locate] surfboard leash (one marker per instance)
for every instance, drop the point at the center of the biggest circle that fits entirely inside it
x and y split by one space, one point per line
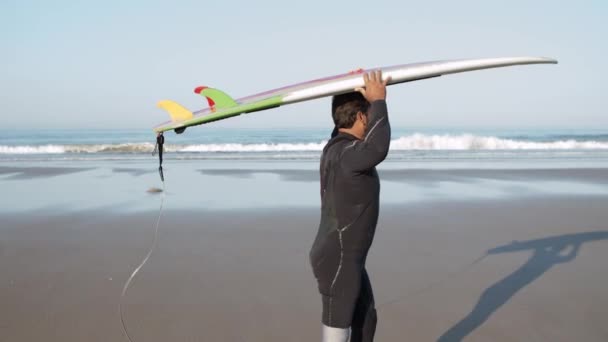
158 148
141 264
160 142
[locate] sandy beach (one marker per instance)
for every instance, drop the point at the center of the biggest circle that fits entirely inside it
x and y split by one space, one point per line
528 266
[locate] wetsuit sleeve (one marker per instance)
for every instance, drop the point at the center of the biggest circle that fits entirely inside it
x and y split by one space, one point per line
365 154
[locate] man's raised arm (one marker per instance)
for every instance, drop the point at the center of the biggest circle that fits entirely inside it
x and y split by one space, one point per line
368 152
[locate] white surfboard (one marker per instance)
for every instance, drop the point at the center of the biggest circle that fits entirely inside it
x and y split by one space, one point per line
222 106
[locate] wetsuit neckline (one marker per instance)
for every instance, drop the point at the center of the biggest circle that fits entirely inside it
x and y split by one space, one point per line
336 133
347 135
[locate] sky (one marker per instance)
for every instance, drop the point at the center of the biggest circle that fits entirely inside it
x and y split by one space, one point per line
105 64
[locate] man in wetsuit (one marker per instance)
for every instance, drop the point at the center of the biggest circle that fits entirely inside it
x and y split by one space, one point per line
350 190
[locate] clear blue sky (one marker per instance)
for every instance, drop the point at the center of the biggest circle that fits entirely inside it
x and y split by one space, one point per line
100 64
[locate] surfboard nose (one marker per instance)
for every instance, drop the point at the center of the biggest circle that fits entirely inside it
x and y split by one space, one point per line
549 60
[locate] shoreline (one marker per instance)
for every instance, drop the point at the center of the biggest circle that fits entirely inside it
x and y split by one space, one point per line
58 188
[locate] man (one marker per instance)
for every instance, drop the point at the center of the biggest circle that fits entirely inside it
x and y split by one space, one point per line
350 190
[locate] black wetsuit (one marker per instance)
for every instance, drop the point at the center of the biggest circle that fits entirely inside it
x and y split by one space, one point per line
350 190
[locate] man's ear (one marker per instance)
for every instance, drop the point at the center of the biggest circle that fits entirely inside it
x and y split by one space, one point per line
361 116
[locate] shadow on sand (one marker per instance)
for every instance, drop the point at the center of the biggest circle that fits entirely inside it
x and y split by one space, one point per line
547 252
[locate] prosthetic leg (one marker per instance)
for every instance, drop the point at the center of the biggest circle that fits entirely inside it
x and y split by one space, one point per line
331 334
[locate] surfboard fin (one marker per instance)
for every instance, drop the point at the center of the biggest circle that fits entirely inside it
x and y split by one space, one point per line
175 110
217 99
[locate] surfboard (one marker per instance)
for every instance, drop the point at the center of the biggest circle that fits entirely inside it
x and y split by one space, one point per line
222 106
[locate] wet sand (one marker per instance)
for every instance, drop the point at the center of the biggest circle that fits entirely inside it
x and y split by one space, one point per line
595 175
38 172
243 275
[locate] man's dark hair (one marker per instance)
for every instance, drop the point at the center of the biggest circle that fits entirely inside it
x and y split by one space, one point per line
344 108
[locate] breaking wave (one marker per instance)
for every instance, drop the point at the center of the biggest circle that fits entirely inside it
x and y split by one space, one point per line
473 142
284 147
82 148
410 142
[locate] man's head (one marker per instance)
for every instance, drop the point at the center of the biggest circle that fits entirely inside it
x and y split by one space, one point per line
349 111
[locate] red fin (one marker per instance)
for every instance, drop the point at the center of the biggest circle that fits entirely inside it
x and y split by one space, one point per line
198 90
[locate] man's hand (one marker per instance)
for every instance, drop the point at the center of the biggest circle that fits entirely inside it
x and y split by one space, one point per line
375 88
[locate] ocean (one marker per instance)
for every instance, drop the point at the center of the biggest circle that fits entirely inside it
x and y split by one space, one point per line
410 148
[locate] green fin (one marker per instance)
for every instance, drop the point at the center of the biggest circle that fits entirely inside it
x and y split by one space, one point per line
217 99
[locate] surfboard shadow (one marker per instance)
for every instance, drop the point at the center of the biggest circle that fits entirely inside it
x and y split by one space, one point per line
547 252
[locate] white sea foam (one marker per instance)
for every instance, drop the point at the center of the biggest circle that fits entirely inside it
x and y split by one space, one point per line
252 147
465 142
82 148
473 142
26 149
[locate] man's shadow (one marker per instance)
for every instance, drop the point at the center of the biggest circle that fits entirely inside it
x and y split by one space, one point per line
547 252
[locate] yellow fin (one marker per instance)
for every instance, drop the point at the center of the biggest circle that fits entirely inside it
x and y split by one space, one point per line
175 110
